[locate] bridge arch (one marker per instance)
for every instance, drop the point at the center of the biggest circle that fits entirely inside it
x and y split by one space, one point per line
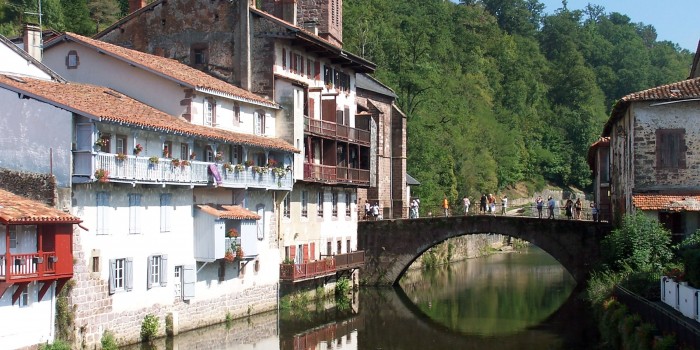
392 245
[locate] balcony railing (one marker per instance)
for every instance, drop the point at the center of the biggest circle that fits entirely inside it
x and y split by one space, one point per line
20 266
305 271
142 170
321 268
334 130
335 174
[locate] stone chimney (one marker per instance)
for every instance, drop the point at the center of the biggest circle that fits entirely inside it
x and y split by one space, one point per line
135 5
311 26
285 10
32 41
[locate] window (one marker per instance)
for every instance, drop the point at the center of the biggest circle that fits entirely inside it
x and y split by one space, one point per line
209 155
670 148
329 247
199 54
177 282
310 68
106 142
339 246
13 237
209 112
259 122
305 204
120 144
135 213
347 245
24 296
348 197
157 271
72 60
604 164
167 149
102 213
327 75
285 204
95 264
121 275
165 212
319 204
236 114
284 59
184 151
334 200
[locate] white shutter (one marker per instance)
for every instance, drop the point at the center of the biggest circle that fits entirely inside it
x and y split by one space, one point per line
102 213
163 270
261 222
112 270
165 210
149 279
257 123
189 277
129 274
134 213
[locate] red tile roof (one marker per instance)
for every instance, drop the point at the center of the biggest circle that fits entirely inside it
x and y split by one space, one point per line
666 202
678 91
235 212
169 68
111 106
16 209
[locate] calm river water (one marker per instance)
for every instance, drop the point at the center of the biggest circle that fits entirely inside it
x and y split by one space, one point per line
504 301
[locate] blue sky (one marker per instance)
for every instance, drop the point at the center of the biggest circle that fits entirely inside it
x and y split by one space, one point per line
674 20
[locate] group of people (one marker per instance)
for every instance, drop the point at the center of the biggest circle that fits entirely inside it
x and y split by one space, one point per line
371 211
551 203
572 209
487 204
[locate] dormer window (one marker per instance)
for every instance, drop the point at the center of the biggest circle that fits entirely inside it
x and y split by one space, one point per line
72 59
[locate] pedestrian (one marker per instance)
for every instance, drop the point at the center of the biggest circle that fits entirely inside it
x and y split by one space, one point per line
482 204
368 209
594 212
445 206
412 209
375 211
540 203
417 208
550 206
504 205
577 208
492 204
569 207
466 203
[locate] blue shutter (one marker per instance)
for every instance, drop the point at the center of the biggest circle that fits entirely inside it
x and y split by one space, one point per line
189 277
149 280
112 271
129 274
165 210
163 270
134 213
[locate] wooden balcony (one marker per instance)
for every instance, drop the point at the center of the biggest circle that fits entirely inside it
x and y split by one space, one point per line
136 169
335 131
335 174
321 268
29 266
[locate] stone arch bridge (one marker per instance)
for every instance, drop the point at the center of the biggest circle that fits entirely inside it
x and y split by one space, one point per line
392 245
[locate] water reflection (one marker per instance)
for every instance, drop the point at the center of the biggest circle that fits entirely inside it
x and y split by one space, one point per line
509 301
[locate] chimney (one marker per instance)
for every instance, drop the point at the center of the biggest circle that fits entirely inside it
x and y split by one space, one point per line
311 26
135 5
32 41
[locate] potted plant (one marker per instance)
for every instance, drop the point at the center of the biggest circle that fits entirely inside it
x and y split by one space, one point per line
248 163
218 157
228 167
185 163
238 168
193 155
102 175
102 142
232 232
154 160
137 149
175 162
239 252
120 157
229 255
271 163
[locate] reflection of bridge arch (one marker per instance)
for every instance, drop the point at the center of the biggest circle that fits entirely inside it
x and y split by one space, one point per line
392 245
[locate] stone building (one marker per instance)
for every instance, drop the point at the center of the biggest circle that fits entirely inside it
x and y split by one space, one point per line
653 139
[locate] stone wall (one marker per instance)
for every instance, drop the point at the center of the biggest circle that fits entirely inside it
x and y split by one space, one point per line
39 187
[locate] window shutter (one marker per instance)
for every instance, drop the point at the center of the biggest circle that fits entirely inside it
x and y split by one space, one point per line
129 274
257 124
302 65
102 212
112 271
284 59
682 148
163 270
293 59
317 70
85 137
339 117
312 247
149 279
213 113
134 213
189 277
261 222
293 253
306 253
165 210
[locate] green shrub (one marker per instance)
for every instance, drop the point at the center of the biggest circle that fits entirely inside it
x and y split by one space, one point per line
641 244
342 286
57 345
108 341
691 261
149 327
666 342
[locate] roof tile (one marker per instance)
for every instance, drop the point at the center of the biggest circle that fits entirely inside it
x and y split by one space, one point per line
16 209
666 202
235 212
112 106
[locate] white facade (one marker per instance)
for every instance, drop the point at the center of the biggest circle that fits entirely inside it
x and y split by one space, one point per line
13 63
29 321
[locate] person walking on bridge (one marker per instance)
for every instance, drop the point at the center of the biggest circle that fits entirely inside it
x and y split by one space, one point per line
466 203
446 206
504 205
550 206
482 204
540 203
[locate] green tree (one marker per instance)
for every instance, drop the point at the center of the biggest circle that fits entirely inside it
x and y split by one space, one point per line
640 244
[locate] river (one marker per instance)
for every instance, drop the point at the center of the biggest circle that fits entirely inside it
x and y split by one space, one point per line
506 301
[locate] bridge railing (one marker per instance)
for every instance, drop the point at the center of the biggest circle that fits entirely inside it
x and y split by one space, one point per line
586 213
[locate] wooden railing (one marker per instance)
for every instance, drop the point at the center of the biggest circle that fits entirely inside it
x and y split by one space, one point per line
353 175
305 271
349 260
16 266
333 174
334 130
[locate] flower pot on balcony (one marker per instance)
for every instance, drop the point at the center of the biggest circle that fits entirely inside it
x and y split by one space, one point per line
37 260
20 261
53 259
